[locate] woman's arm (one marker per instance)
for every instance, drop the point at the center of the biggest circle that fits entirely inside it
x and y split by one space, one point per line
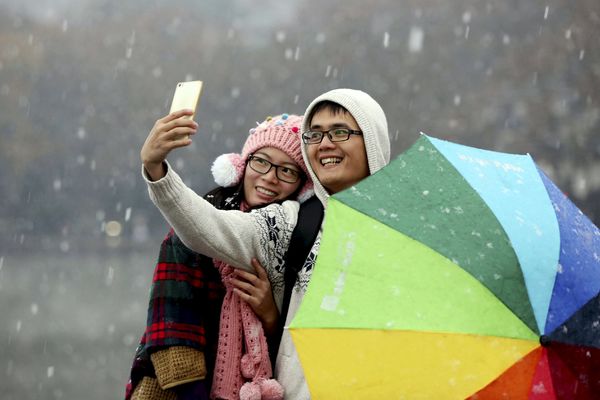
231 236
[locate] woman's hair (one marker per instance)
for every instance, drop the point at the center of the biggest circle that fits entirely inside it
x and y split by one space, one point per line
226 198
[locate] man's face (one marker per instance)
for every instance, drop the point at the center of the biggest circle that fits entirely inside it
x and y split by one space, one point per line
337 165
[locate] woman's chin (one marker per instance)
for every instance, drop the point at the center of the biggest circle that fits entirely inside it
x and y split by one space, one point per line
256 201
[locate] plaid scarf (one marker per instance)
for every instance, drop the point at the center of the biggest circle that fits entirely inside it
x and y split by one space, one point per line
185 301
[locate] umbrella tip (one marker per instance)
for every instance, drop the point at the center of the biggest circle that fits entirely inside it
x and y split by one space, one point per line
545 340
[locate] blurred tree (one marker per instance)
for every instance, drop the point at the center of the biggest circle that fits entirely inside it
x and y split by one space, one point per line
82 86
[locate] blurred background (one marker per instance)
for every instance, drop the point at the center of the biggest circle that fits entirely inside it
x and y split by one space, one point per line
82 82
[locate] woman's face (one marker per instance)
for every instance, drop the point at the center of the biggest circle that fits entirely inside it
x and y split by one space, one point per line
262 189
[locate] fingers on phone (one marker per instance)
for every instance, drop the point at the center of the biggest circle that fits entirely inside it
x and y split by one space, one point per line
180 126
182 113
186 113
182 142
185 135
184 122
180 133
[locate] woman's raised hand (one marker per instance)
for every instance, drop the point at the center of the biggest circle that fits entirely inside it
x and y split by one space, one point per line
168 133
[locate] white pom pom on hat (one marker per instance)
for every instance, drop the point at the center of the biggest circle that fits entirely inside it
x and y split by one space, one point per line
228 169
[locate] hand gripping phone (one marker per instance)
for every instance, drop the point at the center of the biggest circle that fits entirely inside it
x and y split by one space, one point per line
186 95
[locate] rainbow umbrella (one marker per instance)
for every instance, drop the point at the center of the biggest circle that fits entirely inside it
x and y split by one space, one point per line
453 273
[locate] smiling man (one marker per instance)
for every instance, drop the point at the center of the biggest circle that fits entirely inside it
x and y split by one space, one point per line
345 139
336 148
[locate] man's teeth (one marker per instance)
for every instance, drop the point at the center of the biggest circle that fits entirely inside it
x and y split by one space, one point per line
265 191
331 160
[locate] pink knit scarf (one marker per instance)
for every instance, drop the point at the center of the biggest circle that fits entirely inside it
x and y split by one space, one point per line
242 368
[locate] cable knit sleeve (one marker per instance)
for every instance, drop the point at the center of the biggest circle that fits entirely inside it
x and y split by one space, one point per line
231 236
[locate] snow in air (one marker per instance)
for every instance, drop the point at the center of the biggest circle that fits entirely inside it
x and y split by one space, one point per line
415 39
539 388
127 214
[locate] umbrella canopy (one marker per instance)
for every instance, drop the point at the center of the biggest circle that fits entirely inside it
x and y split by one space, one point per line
452 273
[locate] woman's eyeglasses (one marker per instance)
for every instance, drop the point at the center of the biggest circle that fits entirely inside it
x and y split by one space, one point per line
283 173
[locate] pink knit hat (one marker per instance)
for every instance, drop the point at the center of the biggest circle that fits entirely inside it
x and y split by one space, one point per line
281 132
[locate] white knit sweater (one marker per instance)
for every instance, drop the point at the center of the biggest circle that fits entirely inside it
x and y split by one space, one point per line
234 237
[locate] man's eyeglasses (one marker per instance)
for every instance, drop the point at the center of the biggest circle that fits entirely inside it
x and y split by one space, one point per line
334 135
283 173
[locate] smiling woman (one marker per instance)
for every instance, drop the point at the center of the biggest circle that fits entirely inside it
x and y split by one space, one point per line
205 348
273 176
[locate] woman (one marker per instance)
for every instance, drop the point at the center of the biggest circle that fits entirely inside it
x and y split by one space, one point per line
335 163
187 293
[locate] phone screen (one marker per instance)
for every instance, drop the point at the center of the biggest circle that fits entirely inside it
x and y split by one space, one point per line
186 95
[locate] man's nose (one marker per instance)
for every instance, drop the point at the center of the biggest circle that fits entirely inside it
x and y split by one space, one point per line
326 143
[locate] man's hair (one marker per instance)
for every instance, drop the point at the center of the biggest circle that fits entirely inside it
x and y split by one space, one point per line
331 106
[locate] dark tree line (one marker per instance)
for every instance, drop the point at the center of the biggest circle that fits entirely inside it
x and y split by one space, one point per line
79 91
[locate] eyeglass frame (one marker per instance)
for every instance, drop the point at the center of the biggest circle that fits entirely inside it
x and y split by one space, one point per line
330 136
271 165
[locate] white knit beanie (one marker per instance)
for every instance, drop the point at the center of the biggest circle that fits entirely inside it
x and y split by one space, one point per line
281 132
371 120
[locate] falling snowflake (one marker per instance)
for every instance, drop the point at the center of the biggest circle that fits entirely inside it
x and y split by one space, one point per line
415 41
539 388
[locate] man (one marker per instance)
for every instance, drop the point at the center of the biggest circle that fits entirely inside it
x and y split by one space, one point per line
345 139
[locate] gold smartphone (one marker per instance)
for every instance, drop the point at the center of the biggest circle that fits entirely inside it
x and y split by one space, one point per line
186 95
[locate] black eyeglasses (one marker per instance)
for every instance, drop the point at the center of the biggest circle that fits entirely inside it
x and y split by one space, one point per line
283 173
334 135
